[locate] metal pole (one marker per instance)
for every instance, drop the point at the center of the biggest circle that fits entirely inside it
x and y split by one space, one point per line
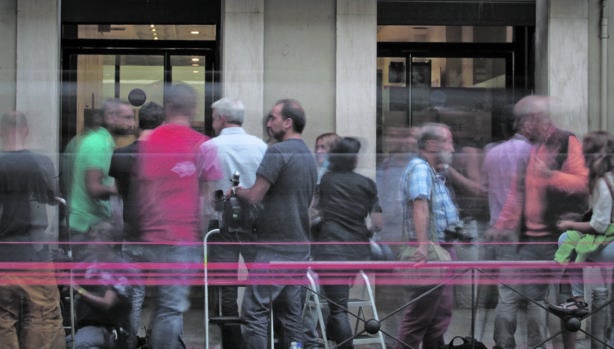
599 317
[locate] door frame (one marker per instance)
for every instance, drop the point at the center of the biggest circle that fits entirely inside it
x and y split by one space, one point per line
519 55
166 49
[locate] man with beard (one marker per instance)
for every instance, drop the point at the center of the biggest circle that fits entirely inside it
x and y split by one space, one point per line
429 210
91 184
285 183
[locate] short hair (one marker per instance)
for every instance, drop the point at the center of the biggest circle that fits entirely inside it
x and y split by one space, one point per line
344 154
533 105
431 131
180 99
13 120
151 116
292 109
328 138
231 108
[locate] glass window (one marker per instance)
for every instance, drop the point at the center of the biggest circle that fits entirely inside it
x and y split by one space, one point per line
146 32
440 33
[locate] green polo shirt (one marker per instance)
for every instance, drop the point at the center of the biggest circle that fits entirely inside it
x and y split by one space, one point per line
93 152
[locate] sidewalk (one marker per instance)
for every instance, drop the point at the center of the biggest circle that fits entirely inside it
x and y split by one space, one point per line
461 326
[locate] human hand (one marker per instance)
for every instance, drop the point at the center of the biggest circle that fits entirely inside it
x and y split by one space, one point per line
541 168
564 225
494 234
422 252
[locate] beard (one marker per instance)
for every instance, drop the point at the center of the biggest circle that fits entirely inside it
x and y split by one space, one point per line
445 157
117 131
279 135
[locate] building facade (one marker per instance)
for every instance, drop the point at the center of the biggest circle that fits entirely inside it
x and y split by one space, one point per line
358 66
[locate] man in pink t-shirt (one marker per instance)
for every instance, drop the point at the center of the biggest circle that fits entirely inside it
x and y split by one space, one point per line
171 174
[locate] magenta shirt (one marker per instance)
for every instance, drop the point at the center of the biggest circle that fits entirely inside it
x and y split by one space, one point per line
170 169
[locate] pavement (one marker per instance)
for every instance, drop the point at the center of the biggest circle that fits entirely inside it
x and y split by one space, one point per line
477 323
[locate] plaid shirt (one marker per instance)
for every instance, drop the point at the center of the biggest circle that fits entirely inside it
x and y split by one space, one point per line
419 181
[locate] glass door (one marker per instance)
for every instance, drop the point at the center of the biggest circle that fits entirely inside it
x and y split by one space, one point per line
468 93
90 78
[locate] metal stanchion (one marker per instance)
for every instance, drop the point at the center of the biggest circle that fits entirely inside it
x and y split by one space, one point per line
599 318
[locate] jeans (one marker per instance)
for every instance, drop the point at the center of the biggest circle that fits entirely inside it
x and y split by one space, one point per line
285 294
172 294
89 337
338 326
137 295
605 254
510 301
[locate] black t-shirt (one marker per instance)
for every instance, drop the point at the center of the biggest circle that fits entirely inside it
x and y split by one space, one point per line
291 169
346 199
24 177
123 167
103 279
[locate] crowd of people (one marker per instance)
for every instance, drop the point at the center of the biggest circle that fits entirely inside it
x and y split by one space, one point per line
528 194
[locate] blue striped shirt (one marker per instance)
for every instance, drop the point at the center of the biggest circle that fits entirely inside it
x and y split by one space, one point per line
420 181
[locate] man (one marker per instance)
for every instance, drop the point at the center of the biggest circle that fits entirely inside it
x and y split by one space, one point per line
428 202
123 169
169 208
504 165
28 182
103 302
285 184
554 183
91 184
238 152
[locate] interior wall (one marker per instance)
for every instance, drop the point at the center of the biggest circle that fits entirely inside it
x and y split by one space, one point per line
299 60
8 26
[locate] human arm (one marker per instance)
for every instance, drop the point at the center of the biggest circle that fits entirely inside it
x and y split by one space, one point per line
601 203
106 302
471 186
256 193
582 227
573 176
421 219
470 182
95 187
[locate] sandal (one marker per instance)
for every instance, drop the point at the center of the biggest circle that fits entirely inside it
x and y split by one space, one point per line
575 307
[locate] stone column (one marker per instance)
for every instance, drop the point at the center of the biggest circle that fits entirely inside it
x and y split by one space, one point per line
567 65
242 42
356 79
38 72
38 81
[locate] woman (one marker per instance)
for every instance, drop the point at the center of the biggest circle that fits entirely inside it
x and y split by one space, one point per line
346 200
591 239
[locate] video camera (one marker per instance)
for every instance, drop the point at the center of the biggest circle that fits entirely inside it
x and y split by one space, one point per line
457 232
236 214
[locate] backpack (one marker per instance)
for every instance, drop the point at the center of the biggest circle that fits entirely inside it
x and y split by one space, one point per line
459 342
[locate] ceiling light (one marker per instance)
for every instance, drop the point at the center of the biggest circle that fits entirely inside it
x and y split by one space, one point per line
194 32
155 38
195 59
195 71
152 26
195 65
153 29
